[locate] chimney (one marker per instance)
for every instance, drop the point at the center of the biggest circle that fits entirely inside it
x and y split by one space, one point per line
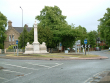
9 24
26 25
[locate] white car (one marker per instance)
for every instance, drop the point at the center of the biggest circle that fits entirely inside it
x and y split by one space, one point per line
74 49
109 48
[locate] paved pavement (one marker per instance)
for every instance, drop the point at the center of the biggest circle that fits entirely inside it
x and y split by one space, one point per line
106 76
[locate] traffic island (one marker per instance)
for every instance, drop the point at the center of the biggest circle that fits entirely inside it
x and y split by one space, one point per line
54 56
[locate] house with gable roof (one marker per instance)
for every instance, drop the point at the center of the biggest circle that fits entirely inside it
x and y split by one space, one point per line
13 33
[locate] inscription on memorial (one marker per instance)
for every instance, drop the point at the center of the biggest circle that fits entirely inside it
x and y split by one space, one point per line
29 49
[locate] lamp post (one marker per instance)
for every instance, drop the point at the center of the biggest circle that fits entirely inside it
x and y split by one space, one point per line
22 26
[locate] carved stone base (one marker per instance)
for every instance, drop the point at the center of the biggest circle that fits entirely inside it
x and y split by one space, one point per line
35 48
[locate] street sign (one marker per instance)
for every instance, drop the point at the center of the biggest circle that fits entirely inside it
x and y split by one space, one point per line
85 46
15 47
60 44
85 41
16 41
82 46
88 46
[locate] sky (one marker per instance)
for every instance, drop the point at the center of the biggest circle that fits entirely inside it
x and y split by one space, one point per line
79 12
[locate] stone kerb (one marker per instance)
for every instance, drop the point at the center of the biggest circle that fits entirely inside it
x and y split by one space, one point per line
0 51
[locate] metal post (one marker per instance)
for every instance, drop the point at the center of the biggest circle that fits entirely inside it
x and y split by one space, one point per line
76 48
14 51
97 43
85 49
88 50
17 49
22 26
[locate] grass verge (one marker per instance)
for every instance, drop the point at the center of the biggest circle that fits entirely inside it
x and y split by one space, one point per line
54 55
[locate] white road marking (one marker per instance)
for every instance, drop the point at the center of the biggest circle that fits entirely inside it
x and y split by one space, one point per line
17 77
39 65
21 67
13 71
55 65
93 76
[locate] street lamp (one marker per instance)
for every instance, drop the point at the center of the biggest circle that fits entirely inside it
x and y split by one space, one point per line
22 26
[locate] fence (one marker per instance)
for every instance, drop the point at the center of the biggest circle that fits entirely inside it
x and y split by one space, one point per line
2 51
10 51
52 50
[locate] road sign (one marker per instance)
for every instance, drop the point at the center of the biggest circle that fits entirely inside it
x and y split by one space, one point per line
16 41
15 47
88 46
85 41
60 44
82 46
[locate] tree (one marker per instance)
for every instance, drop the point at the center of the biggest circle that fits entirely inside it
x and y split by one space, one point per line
91 38
52 18
68 37
95 33
31 36
82 33
44 35
3 24
104 26
23 38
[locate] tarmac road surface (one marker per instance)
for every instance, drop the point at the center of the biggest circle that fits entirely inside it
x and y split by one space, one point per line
53 71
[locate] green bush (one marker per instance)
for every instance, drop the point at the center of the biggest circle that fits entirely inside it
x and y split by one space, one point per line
11 47
100 47
106 47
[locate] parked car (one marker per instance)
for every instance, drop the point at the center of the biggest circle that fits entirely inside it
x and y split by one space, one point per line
109 48
97 49
73 49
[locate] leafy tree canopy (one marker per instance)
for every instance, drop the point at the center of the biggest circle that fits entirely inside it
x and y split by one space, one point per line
82 33
52 19
23 38
104 26
91 38
3 24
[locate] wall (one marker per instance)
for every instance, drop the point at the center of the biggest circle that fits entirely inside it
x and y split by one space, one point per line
7 42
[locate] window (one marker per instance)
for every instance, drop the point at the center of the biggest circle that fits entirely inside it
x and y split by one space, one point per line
9 37
12 37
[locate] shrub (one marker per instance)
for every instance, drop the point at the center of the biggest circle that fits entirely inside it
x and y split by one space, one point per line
11 47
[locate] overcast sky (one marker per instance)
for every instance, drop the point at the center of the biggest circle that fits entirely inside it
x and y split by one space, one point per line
79 12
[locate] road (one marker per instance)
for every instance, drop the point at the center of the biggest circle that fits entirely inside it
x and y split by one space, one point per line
53 71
